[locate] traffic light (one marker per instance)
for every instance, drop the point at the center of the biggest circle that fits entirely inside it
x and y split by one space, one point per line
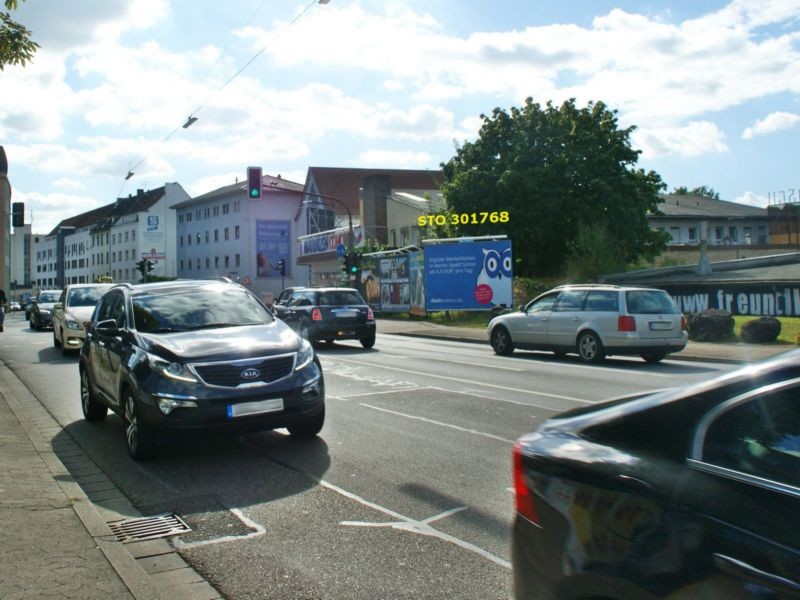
348 262
18 214
150 264
355 263
282 266
142 267
254 178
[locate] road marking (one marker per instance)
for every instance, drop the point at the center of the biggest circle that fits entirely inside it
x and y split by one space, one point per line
478 383
408 524
259 531
411 389
440 423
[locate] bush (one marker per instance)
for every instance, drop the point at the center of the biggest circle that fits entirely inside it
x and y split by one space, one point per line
763 330
710 325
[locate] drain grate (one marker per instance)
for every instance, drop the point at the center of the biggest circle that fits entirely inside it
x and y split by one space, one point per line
148 528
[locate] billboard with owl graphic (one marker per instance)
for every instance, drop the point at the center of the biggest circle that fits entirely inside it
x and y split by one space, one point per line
468 276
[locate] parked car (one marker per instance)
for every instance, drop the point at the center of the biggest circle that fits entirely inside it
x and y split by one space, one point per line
687 493
14 306
40 312
191 355
594 321
328 314
72 313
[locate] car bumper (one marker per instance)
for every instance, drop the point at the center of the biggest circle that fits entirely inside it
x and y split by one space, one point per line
342 331
636 345
72 339
43 320
237 410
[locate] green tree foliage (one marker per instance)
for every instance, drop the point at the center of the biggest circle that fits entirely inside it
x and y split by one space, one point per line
555 169
704 191
593 253
16 45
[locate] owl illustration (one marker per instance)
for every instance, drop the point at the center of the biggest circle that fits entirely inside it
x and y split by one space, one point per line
496 273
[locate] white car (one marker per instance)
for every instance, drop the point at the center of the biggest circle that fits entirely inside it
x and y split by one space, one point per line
13 305
594 321
72 311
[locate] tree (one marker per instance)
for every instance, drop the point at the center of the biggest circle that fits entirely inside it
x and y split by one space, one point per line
705 192
555 170
16 45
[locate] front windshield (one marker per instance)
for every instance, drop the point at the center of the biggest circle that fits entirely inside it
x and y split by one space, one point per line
48 297
191 308
84 296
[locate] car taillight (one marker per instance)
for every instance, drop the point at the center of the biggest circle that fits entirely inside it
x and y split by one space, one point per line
626 323
683 323
522 495
316 314
370 316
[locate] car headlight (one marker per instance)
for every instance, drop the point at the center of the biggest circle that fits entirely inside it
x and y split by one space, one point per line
72 324
305 355
171 370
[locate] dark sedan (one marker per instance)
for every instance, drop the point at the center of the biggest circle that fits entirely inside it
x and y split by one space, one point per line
689 493
192 355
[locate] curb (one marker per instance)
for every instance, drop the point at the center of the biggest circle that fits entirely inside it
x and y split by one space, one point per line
123 558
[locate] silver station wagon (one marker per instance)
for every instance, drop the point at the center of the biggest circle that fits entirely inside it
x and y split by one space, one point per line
594 321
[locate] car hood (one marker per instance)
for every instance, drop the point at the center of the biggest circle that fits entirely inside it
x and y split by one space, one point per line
46 305
225 343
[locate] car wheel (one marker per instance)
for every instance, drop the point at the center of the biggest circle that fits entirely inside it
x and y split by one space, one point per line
368 342
139 441
501 341
590 348
56 343
308 427
654 357
92 410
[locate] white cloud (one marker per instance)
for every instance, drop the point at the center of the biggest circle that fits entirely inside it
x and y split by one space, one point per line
693 139
752 199
773 122
68 184
45 211
396 159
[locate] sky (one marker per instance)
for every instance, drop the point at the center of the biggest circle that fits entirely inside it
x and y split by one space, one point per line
712 88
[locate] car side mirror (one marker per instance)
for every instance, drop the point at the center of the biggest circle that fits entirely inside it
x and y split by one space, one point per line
107 327
521 308
58 306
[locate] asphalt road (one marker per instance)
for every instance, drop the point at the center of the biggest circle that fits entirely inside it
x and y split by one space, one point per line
406 493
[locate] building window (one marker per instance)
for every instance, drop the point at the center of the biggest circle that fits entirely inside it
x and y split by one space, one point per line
180 218
237 260
181 263
180 240
133 236
236 232
188 217
225 208
236 206
692 234
197 214
216 235
227 234
216 261
216 211
188 239
733 234
198 238
189 264
208 263
198 263
719 233
207 213
227 261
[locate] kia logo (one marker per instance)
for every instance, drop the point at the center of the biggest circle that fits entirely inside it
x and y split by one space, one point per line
250 373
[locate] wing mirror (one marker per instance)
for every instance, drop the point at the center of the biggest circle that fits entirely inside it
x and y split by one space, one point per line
107 327
58 306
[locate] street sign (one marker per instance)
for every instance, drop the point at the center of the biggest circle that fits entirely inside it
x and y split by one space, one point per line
340 250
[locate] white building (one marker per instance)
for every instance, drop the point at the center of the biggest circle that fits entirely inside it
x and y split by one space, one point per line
224 233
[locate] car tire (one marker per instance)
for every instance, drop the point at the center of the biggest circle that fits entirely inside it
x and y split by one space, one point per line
590 348
138 439
92 409
368 342
56 343
654 357
501 341
308 427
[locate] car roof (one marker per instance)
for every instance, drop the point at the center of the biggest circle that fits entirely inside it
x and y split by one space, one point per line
87 285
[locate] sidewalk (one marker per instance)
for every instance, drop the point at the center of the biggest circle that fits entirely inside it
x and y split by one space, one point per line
694 351
56 540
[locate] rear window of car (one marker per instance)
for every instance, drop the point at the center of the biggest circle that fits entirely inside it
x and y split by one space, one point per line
340 298
650 302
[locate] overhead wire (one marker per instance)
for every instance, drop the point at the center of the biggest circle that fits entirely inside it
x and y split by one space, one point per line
192 118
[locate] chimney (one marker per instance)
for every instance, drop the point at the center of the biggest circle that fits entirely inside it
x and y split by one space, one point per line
139 193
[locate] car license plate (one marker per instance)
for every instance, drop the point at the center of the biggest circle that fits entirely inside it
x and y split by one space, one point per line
254 408
345 313
660 325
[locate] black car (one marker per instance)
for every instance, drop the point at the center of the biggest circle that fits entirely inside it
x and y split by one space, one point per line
191 355
689 493
40 312
327 314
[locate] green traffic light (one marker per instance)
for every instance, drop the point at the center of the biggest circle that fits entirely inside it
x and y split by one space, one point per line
254 193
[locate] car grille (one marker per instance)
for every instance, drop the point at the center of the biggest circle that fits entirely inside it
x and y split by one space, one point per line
231 374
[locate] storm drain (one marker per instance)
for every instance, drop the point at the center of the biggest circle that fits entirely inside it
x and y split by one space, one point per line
148 528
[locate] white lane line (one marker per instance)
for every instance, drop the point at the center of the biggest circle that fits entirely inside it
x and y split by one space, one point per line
476 394
412 525
259 531
411 389
439 423
467 381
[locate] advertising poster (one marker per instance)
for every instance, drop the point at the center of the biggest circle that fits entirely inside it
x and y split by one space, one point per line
371 281
754 299
469 276
394 284
272 243
416 276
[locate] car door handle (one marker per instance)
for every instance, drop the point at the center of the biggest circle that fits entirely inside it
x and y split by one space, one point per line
748 572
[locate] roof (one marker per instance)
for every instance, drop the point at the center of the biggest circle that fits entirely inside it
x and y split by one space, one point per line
344 184
269 183
109 213
685 206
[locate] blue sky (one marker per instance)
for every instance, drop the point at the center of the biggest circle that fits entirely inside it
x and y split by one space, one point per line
713 88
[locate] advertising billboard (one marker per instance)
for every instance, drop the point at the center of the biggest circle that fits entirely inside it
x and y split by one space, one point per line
272 243
468 276
416 281
394 284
